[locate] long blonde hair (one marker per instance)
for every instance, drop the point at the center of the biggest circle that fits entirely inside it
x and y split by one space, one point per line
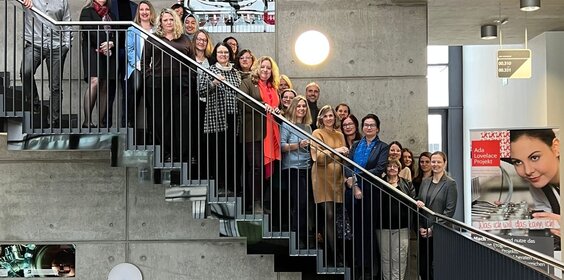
290 114
153 17
274 77
209 47
178 28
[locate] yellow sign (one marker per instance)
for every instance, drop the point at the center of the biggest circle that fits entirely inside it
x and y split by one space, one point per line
514 64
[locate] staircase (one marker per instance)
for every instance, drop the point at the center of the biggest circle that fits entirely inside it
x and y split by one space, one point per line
193 172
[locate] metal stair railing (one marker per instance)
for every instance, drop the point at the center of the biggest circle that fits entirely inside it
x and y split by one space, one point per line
232 163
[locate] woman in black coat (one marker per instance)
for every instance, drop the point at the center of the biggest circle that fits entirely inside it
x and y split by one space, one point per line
362 196
99 59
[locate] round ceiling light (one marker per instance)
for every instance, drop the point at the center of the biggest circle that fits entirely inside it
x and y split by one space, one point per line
312 47
530 5
488 31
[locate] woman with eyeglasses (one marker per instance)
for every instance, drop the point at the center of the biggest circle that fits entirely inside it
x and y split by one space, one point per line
244 62
361 198
220 121
393 237
350 130
286 99
203 47
163 85
233 46
438 193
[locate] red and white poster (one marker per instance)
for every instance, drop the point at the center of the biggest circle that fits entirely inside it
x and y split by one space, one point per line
516 185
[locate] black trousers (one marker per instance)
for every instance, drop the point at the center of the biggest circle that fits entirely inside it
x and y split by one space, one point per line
425 258
165 103
300 193
223 154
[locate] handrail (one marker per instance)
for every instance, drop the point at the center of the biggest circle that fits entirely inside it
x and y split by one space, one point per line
208 72
517 247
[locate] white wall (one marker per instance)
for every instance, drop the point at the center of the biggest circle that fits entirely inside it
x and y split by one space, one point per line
490 102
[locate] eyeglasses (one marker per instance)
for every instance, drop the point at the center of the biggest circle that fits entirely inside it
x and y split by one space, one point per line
393 167
348 124
369 125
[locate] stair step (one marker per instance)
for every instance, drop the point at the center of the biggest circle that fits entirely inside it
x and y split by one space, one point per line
185 193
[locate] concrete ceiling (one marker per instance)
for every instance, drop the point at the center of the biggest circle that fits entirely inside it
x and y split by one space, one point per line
457 22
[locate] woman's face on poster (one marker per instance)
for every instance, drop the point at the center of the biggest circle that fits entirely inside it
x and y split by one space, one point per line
535 161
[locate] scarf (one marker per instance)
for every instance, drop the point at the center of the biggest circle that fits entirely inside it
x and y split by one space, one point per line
102 11
224 68
272 140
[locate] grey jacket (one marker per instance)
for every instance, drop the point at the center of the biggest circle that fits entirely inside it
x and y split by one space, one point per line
441 199
39 31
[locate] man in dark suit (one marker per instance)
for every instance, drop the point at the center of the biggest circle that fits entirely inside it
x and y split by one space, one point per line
122 10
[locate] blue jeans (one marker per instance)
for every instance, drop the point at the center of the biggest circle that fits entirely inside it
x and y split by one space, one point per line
55 58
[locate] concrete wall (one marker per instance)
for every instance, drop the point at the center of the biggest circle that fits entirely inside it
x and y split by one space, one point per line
377 64
76 197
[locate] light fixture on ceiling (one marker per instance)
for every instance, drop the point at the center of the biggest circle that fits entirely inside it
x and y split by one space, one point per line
488 31
530 5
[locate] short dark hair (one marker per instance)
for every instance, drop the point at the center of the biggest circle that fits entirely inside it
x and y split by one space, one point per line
374 117
229 38
396 143
213 58
176 6
343 104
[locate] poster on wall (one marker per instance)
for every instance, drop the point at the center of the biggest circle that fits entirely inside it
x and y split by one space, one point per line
37 260
516 186
228 16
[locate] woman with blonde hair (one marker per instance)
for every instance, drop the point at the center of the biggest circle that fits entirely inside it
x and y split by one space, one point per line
262 137
164 80
327 172
296 164
145 17
203 47
438 193
285 84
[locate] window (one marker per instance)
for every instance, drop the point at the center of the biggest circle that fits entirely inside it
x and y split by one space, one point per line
438 97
